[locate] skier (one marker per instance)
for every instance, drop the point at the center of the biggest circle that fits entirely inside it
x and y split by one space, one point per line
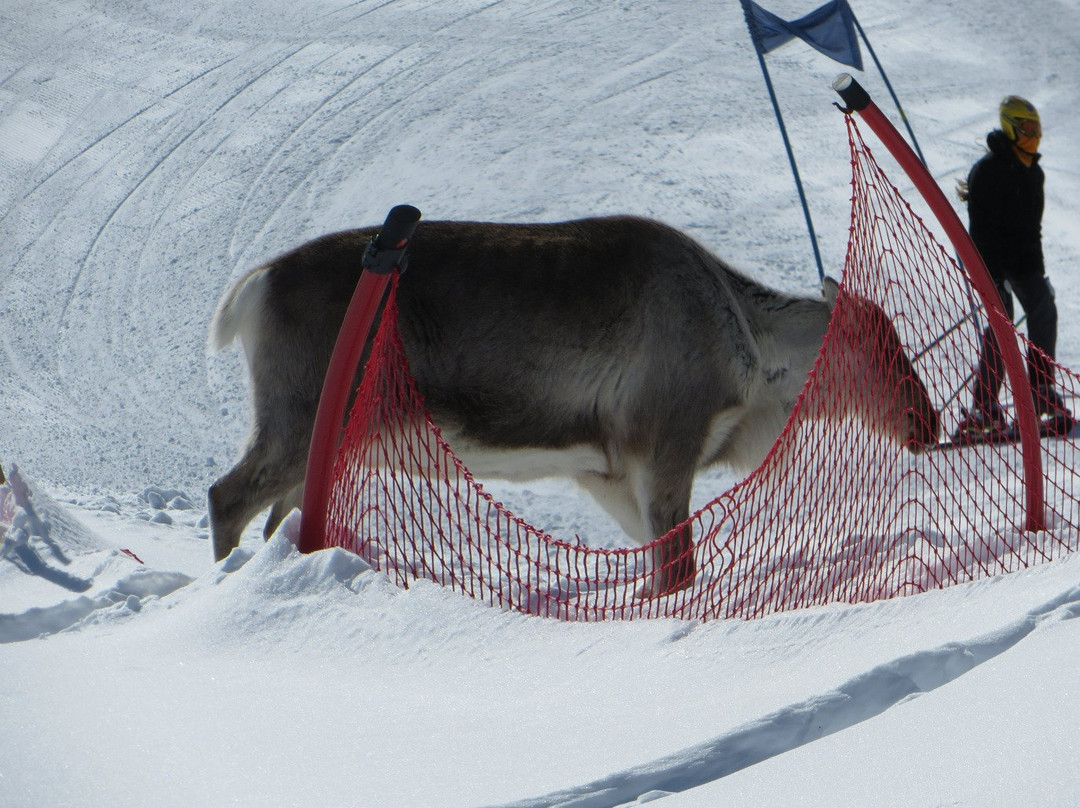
1004 194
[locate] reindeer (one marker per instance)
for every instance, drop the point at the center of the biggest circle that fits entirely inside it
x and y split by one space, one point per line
614 351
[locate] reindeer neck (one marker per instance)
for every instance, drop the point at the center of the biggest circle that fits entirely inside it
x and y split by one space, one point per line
790 331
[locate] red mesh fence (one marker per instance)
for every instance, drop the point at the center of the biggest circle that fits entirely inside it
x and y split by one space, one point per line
835 513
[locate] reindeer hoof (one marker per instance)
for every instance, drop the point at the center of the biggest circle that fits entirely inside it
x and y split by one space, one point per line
662 585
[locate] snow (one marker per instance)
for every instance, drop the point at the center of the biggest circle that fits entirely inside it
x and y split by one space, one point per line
151 153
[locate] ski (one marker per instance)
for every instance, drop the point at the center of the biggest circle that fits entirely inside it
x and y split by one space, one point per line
1063 426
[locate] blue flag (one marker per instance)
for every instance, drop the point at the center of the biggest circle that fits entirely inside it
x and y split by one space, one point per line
829 29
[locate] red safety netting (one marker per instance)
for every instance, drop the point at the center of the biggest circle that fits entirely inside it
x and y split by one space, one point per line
836 512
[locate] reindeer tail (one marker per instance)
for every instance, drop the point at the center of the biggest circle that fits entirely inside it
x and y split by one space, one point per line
237 310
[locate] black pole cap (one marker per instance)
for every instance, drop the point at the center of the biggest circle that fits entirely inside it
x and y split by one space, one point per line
399 225
388 250
855 97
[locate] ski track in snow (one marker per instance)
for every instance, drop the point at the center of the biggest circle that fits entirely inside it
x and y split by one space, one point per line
160 142
857 700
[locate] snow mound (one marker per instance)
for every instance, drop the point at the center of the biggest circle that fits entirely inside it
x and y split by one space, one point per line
46 550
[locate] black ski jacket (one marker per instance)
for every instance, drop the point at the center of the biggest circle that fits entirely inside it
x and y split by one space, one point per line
1005 208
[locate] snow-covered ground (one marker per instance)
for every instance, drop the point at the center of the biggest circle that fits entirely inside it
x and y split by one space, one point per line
152 152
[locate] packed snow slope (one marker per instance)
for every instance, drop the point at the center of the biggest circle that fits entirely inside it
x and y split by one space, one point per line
150 153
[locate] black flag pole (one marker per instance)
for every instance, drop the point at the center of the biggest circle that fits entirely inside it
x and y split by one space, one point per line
755 35
834 31
889 87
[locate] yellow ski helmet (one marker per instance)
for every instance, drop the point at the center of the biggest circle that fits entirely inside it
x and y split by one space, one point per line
1015 112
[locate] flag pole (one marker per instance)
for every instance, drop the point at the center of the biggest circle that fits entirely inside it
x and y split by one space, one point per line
783 134
888 86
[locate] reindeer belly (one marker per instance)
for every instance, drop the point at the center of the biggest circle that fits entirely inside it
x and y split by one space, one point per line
523 435
524 463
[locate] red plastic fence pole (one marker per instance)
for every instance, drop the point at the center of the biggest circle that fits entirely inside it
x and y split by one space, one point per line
858 100
387 254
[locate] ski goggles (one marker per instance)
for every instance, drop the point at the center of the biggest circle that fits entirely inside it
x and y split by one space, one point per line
1028 128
